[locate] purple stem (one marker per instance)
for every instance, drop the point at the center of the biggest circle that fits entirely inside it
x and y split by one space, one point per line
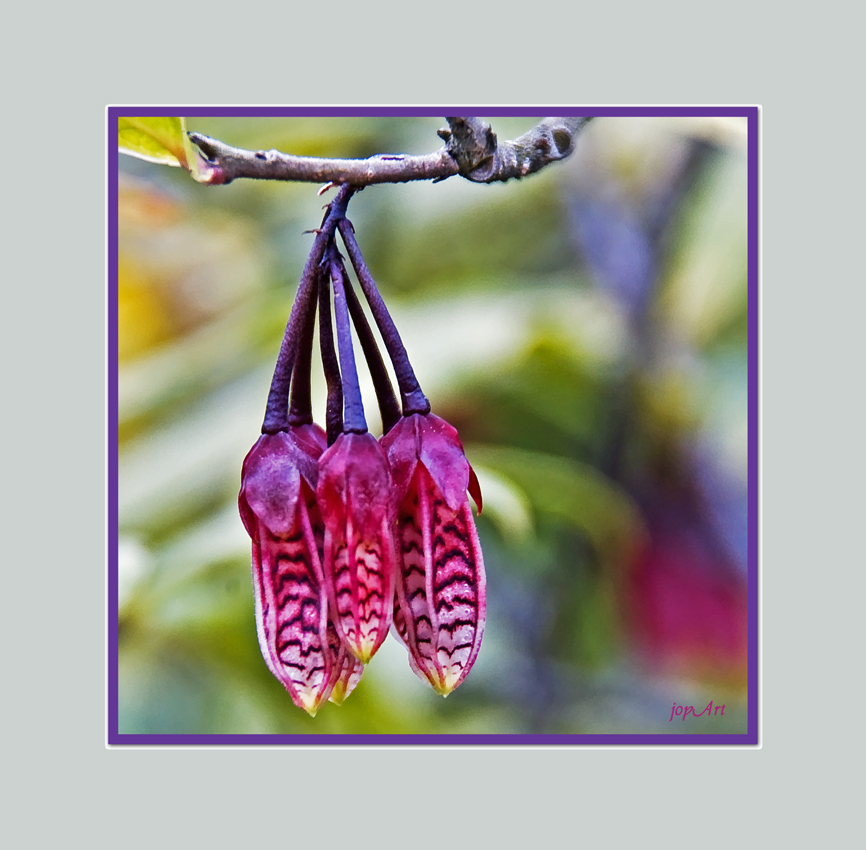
301 406
354 420
330 366
414 400
276 410
389 410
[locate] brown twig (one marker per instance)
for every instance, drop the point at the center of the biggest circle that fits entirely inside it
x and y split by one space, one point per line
483 159
471 150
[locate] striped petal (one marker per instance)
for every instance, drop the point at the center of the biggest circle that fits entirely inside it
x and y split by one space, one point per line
355 497
440 605
292 613
279 510
347 669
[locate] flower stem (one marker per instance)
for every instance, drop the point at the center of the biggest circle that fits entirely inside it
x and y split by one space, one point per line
389 410
330 365
414 400
276 410
354 420
301 406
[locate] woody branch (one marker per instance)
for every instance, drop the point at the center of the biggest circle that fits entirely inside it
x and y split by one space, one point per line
471 150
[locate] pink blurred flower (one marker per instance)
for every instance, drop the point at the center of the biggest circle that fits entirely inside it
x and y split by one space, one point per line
441 589
688 610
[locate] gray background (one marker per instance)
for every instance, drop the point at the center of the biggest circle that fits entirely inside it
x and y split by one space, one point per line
65 782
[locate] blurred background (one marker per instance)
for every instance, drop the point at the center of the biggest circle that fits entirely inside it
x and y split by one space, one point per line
586 332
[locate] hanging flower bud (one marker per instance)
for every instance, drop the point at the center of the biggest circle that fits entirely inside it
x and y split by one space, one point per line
323 519
441 590
355 495
278 507
347 670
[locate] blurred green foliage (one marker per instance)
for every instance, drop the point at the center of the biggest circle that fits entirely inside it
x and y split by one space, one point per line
585 331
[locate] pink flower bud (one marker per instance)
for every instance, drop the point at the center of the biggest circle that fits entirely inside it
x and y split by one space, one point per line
278 507
355 495
441 588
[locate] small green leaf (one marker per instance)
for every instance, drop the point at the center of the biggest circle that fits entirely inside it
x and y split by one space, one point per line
164 141
154 139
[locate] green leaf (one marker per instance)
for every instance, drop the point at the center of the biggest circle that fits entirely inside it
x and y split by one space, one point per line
506 505
164 141
569 491
154 139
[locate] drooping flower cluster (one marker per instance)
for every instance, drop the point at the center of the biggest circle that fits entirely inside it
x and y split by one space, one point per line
353 536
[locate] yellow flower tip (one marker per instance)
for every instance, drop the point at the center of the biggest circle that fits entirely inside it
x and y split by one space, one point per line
443 688
338 695
364 651
310 704
445 685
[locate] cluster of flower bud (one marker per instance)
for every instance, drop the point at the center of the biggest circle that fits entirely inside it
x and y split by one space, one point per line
354 536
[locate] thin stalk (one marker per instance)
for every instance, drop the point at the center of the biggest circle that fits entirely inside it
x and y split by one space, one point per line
301 406
354 420
276 411
414 400
389 410
330 366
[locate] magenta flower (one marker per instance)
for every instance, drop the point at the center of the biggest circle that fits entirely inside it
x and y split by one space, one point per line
441 589
347 670
355 495
334 531
278 507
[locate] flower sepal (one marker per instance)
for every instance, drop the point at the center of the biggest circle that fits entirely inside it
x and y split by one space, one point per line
355 495
271 482
278 507
440 604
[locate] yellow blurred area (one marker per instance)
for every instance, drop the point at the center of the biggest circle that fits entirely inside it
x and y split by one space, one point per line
179 267
143 318
667 401
142 205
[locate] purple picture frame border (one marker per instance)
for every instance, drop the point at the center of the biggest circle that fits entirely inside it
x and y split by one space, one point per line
750 738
